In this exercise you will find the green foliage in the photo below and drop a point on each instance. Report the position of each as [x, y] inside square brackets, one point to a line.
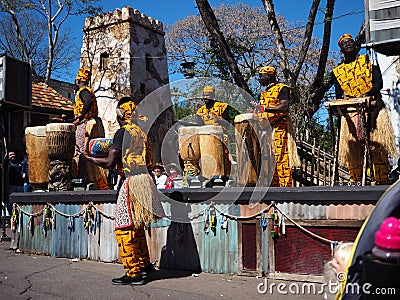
[182, 111]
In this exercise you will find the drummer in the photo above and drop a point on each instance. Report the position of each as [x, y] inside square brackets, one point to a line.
[357, 77]
[274, 110]
[213, 112]
[217, 113]
[88, 126]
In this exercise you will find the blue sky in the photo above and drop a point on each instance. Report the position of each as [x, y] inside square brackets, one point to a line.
[348, 17]
[169, 11]
[348, 14]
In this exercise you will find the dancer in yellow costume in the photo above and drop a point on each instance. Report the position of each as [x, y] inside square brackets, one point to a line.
[137, 203]
[88, 126]
[274, 109]
[357, 77]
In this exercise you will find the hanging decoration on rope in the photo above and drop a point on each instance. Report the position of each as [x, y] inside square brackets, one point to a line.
[71, 224]
[213, 218]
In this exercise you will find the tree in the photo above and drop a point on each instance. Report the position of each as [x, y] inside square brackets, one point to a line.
[219, 43]
[253, 44]
[53, 15]
[320, 83]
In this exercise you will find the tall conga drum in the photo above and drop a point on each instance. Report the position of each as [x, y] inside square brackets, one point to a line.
[38, 160]
[60, 138]
[212, 150]
[248, 150]
[189, 149]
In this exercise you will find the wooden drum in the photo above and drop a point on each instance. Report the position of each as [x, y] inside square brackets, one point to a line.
[60, 141]
[38, 160]
[60, 138]
[248, 150]
[189, 148]
[212, 150]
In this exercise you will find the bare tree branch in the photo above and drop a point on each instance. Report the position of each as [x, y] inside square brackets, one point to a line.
[307, 38]
[212, 26]
[317, 87]
[280, 43]
[55, 13]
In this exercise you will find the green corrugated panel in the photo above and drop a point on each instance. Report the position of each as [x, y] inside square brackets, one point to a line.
[219, 252]
[67, 243]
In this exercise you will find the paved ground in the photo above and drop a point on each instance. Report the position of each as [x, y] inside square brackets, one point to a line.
[27, 276]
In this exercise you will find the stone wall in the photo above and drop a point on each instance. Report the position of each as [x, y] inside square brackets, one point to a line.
[125, 51]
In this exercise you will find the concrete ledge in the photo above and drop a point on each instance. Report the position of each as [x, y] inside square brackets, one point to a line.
[303, 195]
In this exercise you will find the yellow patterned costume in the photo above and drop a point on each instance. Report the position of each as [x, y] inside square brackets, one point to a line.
[279, 123]
[207, 115]
[90, 128]
[355, 79]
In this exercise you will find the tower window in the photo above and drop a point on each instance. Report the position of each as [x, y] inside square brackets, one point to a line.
[142, 88]
[149, 62]
[104, 61]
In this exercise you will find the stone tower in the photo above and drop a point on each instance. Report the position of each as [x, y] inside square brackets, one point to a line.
[125, 51]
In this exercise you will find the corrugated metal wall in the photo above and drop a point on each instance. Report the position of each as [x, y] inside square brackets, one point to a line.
[303, 211]
[32, 237]
[102, 244]
[69, 243]
[174, 245]
[63, 242]
[218, 252]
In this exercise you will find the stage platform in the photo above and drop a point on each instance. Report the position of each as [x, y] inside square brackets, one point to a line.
[187, 240]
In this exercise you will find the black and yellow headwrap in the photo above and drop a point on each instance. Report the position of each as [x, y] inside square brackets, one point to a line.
[343, 37]
[267, 70]
[208, 89]
[126, 110]
[83, 75]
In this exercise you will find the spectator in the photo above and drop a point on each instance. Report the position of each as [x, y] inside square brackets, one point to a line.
[160, 176]
[334, 269]
[175, 178]
[15, 180]
[25, 174]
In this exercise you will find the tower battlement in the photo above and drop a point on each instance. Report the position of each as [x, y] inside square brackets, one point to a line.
[126, 14]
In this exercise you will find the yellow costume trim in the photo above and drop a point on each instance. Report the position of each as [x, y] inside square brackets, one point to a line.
[269, 99]
[209, 89]
[138, 154]
[133, 250]
[129, 108]
[283, 144]
[343, 37]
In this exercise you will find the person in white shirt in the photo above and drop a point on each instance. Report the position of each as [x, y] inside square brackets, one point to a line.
[160, 176]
